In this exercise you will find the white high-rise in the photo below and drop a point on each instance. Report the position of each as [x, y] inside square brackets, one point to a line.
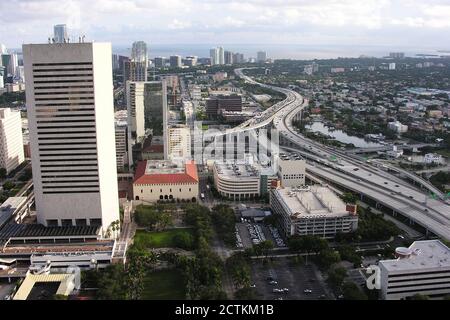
[71, 121]
[217, 55]
[60, 33]
[179, 144]
[11, 140]
[221, 54]
[135, 108]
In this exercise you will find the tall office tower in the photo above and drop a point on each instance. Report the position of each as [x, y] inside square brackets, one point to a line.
[3, 49]
[179, 138]
[11, 141]
[2, 76]
[261, 56]
[115, 62]
[228, 57]
[121, 134]
[136, 68]
[175, 61]
[135, 109]
[10, 62]
[160, 62]
[60, 33]
[139, 52]
[70, 108]
[221, 55]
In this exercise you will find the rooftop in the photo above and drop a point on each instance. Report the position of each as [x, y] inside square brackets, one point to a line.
[427, 254]
[291, 156]
[311, 202]
[8, 208]
[165, 172]
[247, 168]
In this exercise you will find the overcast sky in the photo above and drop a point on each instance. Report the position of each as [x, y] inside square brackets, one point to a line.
[396, 23]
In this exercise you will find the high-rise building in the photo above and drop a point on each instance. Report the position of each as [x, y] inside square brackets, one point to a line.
[136, 68]
[191, 61]
[71, 122]
[3, 49]
[215, 104]
[160, 62]
[121, 134]
[238, 57]
[179, 142]
[11, 141]
[228, 57]
[60, 33]
[221, 54]
[2, 77]
[135, 108]
[175, 61]
[261, 56]
[10, 62]
[139, 52]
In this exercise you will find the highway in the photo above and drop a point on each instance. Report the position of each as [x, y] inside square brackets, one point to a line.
[351, 171]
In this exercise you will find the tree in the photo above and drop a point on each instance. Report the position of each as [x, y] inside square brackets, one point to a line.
[263, 248]
[348, 197]
[328, 257]
[352, 292]
[8, 185]
[336, 277]
[2, 173]
[184, 240]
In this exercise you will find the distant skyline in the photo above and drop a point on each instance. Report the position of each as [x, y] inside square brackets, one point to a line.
[396, 25]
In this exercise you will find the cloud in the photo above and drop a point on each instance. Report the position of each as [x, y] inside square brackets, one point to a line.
[388, 22]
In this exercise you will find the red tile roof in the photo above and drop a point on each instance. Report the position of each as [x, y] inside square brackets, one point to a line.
[189, 176]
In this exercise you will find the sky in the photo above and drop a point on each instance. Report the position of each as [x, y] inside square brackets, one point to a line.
[389, 23]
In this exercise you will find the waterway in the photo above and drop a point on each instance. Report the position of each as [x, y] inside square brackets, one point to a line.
[341, 136]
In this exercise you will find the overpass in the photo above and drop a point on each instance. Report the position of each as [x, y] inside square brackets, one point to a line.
[353, 173]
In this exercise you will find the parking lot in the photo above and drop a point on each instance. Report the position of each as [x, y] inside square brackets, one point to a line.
[272, 279]
[249, 234]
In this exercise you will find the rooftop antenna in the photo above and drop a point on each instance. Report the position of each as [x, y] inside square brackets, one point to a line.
[82, 38]
[49, 40]
[53, 40]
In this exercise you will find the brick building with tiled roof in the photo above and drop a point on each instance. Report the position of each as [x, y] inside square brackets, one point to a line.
[165, 181]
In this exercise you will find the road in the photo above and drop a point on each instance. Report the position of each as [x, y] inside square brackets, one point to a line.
[351, 171]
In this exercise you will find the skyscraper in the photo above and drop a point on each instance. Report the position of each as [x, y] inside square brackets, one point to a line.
[221, 54]
[261, 56]
[135, 109]
[160, 62]
[228, 57]
[3, 49]
[175, 61]
[214, 55]
[60, 33]
[10, 62]
[71, 121]
[136, 68]
[139, 52]
[11, 141]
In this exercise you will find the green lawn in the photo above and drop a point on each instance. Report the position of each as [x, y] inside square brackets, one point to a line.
[163, 239]
[164, 285]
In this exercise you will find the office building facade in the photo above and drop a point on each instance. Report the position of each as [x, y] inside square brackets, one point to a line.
[11, 140]
[71, 121]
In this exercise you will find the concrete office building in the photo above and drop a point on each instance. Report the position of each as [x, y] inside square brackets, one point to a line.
[191, 61]
[2, 76]
[175, 62]
[238, 58]
[165, 181]
[423, 268]
[134, 71]
[215, 104]
[10, 62]
[11, 140]
[179, 146]
[60, 33]
[312, 210]
[160, 62]
[291, 169]
[71, 121]
[135, 109]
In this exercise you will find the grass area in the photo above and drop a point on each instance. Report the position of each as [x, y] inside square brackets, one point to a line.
[164, 285]
[444, 152]
[161, 239]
